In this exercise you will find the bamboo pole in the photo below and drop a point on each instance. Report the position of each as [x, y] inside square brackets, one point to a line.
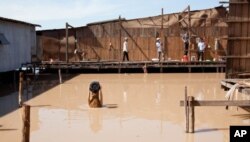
[191, 114]
[67, 41]
[189, 32]
[120, 38]
[26, 123]
[60, 75]
[20, 94]
[186, 110]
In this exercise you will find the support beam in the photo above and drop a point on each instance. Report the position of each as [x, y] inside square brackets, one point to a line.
[60, 75]
[186, 110]
[191, 118]
[20, 94]
[240, 103]
[120, 39]
[26, 123]
[67, 41]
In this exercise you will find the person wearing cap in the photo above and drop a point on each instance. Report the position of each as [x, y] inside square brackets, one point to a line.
[159, 48]
[125, 49]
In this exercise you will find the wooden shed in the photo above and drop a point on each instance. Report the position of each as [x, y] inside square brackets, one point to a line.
[238, 59]
[17, 43]
[103, 40]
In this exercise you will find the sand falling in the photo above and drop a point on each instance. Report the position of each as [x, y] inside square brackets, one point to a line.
[137, 108]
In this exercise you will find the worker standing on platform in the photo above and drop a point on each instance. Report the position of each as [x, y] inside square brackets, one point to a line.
[159, 48]
[201, 49]
[185, 39]
[125, 49]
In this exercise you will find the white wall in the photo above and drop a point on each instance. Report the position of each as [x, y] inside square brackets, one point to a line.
[22, 39]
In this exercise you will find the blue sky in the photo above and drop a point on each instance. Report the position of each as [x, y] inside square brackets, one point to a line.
[53, 14]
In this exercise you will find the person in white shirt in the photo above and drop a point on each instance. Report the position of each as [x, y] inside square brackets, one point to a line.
[159, 48]
[125, 49]
[185, 39]
[201, 49]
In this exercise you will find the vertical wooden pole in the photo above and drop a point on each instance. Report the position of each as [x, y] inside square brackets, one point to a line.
[67, 42]
[20, 94]
[186, 109]
[120, 38]
[26, 123]
[191, 114]
[162, 36]
[189, 32]
[120, 44]
[60, 75]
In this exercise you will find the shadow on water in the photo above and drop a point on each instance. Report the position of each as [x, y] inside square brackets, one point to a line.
[40, 105]
[42, 83]
[210, 130]
[244, 116]
[111, 106]
[8, 129]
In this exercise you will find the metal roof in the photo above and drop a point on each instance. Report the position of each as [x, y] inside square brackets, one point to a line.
[3, 40]
[19, 22]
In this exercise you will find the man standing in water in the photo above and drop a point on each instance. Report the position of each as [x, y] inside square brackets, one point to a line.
[125, 49]
[159, 48]
[95, 98]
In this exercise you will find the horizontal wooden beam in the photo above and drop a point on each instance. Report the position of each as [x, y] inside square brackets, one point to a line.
[219, 103]
[224, 2]
[239, 3]
[238, 38]
[237, 57]
[237, 21]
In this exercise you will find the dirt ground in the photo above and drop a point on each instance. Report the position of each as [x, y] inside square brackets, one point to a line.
[137, 108]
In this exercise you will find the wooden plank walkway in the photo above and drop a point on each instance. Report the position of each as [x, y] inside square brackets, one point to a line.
[99, 65]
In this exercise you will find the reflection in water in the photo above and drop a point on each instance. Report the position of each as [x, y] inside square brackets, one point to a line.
[124, 96]
[200, 96]
[95, 119]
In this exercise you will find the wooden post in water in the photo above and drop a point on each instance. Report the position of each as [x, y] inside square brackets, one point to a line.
[20, 94]
[26, 123]
[186, 110]
[60, 75]
[191, 114]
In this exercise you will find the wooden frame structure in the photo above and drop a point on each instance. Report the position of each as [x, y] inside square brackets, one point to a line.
[101, 41]
[190, 103]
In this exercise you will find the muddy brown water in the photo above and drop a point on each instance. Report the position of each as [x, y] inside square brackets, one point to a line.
[137, 108]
